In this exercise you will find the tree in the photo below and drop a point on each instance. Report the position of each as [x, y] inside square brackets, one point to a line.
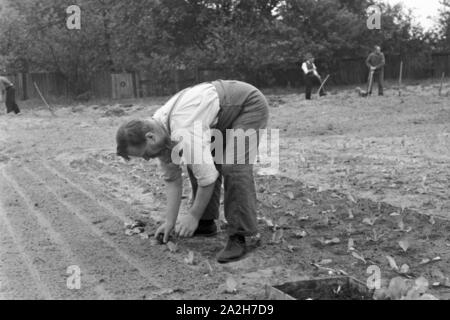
[253, 40]
[444, 23]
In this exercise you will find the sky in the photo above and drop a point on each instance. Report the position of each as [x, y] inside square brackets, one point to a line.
[424, 10]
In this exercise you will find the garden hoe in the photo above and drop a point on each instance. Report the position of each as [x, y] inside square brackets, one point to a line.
[369, 86]
[323, 84]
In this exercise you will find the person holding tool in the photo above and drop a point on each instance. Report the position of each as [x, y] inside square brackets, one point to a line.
[10, 92]
[376, 62]
[311, 76]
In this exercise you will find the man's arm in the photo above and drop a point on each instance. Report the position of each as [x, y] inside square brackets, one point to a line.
[197, 154]
[368, 61]
[174, 191]
[316, 73]
[174, 187]
[201, 201]
[189, 223]
[383, 62]
[203, 168]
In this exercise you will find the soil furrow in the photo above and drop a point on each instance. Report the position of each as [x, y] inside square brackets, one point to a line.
[86, 193]
[16, 281]
[35, 288]
[98, 192]
[118, 272]
[93, 290]
[169, 268]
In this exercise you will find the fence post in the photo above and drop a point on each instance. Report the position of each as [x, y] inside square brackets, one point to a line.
[135, 84]
[400, 78]
[23, 80]
[442, 83]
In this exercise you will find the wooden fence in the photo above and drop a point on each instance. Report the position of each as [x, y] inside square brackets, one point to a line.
[353, 71]
[101, 85]
[145, 83]
[441, 64]
[345, 72]
[53, 85]
[151, 85]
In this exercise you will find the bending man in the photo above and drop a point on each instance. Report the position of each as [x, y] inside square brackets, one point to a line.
[180, 132]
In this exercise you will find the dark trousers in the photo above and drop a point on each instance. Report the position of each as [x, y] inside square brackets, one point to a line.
[10, 102]
[238, 180]
[310, 81]
[378, 76]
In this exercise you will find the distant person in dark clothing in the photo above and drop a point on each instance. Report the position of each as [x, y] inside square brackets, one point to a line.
[312, 77]
[376, 62]
[10, 100]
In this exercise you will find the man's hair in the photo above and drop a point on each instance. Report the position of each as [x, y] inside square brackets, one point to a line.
[132, 134]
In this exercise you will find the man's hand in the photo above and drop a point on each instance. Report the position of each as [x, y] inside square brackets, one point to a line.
[186, 226]
[174, 191]
[165, 229]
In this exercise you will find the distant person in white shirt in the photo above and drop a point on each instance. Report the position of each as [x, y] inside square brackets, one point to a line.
[312, 77]
[10, 92]
[226, 106]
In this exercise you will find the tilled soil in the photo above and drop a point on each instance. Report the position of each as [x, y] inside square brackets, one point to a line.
[65, 198]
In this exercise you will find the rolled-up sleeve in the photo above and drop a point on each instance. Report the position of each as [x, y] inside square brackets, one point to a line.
[205, 173]
[191, 124]
[196, 146]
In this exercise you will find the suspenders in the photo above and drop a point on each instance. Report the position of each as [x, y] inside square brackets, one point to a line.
[180, 95]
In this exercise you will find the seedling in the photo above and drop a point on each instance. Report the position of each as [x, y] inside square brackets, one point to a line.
[277, 236]
[190, 259]
[404, 244]
[392, 263]
[329, 242]
[230, 286]
[351, 245]
[173, 247]
[359, 257]
[300, 234]
[370, 221]
[290, 195]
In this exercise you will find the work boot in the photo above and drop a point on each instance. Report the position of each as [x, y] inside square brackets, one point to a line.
[206, 228]
[234, 250]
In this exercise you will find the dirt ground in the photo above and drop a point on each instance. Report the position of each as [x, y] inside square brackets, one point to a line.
[357, 176]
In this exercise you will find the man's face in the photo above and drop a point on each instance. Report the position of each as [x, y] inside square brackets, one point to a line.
[377, 49]
[141, 152]
[151, 149]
